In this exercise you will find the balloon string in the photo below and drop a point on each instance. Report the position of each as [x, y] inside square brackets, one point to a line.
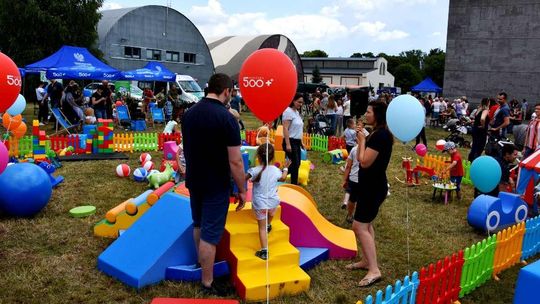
[267, 266]
[4, 138]
[407, 225]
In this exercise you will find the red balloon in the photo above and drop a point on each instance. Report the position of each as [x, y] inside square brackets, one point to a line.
[10, 82]
[268, 82]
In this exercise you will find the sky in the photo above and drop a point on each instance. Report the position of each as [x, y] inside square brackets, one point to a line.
[338, 27]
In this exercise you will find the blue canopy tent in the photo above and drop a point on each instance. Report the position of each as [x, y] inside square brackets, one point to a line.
[427, 85]
[73, 63]
[152, 71]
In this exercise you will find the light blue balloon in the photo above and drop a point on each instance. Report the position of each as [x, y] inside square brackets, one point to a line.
[405, 117]
[485, 173]
[17, 107]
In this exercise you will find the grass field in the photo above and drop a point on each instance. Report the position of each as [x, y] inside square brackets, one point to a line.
[51, 258]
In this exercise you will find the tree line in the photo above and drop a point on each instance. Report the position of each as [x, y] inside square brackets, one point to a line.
[408, 67]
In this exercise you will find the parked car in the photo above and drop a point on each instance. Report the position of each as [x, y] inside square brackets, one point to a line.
[135, 92]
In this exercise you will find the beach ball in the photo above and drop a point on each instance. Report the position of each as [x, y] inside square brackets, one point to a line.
[440, 144]
[139, 175]
[148, 165]
[123, 170]
[145, 157]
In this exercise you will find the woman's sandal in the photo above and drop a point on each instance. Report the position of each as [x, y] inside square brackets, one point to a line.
[355, 266]
[366, 282]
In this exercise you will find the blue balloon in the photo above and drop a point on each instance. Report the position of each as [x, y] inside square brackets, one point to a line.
[405, 117]
[25, 190]
[18, 106]
[485, 173]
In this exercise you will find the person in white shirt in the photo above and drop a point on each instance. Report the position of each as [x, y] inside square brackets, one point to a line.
[346, 109]
[436, 110]
[42, 102]
[339, 118]
[171, 127]
[265, 180]
[293, 126]
[350, 181]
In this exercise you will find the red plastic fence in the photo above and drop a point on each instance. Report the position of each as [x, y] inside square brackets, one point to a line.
[163, 138]
[336, 143]
[60, 142]
[440, 283]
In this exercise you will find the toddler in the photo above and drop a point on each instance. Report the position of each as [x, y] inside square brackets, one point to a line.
[265, 180]
[89, 118]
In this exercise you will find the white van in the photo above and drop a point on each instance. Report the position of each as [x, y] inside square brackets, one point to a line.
[191, 91]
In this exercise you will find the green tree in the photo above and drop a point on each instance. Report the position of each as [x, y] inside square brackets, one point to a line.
[414, 57]
[316, 75]
[393, 61]
[34, 29]
[363, 55]
[434, 65]
[315, 53]
[406, 76]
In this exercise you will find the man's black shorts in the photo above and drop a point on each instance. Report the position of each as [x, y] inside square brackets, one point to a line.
[209, 212]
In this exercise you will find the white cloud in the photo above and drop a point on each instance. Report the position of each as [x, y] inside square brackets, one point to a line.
[213, 21]
[330, 11]
[110, 5]
[376, 30]
[435, 34]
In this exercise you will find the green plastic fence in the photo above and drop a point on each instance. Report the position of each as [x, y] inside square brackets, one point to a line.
[466, 173]
[478, 265]
[145, 142]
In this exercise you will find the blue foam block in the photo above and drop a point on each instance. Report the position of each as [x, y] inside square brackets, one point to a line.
[190, 273]
[161, 238]
[310, 257]
[527, 282]
[496, 213]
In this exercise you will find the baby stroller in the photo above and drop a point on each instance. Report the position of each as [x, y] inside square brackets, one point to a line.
[319, 125]
[457, 130]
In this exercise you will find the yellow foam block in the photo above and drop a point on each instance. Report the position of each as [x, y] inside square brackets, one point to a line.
[278, 139]
[100, 138]
[279, 157]
[286, 277]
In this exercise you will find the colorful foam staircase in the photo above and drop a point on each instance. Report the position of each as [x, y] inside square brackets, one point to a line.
[239, 244]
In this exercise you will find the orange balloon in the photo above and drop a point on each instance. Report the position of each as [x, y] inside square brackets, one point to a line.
[20, 131]
[11, 122]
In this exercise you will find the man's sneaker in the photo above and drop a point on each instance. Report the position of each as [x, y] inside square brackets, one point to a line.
[263, 254]
[41, 124]
[215, 290]
[343, 206]
[269, 228]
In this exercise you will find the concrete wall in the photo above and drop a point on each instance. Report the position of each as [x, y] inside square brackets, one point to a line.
[493, 45]
[155, 27]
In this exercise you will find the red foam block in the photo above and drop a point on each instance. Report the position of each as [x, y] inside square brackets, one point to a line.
[192, 301]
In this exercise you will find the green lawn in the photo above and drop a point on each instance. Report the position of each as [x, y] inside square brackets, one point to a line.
[51, 258]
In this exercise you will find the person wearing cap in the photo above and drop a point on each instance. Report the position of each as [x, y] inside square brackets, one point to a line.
[456, 166]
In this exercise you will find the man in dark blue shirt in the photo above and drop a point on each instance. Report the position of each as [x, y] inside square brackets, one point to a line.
[211, 140]
[55, 90]
[236, 103]
[502, 117]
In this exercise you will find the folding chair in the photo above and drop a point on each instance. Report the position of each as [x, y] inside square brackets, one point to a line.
[123, 116]
[157, 116]
[63, 121]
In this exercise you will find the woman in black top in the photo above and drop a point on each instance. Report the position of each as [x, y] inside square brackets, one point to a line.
[373, 154]
[479, 130]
